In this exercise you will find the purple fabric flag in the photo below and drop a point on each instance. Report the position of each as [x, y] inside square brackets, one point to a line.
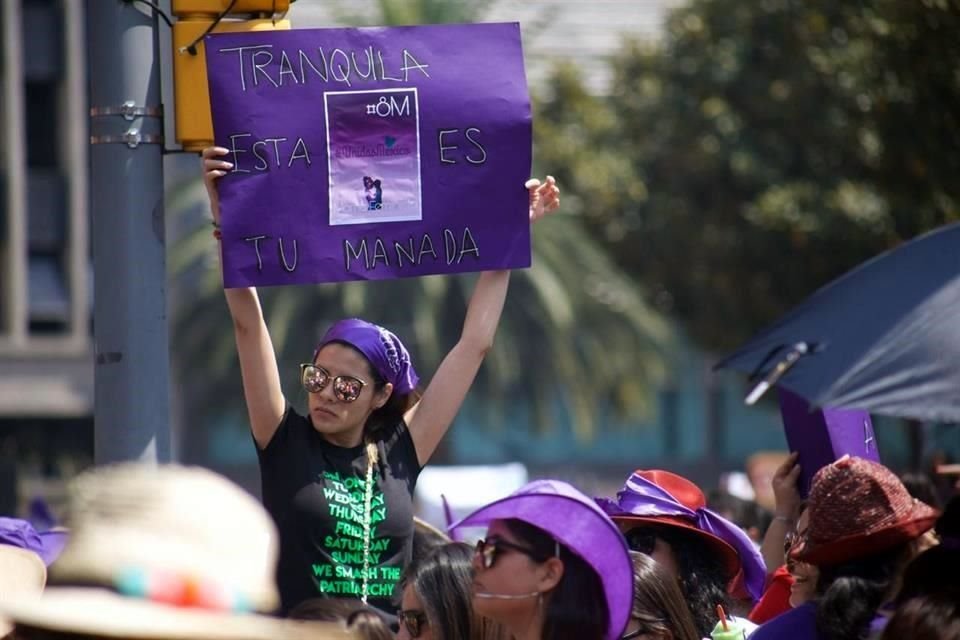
[824, 435]
[368, 154]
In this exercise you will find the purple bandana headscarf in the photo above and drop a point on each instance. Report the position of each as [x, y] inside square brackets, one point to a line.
[20, 533]
[640, 497]
[381, 347]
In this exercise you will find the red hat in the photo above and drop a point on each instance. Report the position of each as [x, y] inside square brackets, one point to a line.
[690, 496]
[859, 508]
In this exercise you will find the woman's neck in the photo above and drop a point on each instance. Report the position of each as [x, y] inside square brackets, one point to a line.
[527, 627]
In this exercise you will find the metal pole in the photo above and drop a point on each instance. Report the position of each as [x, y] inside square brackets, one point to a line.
[131, 385]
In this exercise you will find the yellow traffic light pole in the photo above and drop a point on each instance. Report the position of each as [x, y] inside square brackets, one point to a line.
[196, 18]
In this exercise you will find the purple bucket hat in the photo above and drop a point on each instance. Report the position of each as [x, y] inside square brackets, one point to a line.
[20, 533]
[581, 526]
[380, 346]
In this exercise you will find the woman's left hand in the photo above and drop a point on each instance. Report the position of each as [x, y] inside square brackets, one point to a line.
[544, 197]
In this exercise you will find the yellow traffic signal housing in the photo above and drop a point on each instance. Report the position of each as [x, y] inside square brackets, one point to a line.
[195, 8]
[194, 126]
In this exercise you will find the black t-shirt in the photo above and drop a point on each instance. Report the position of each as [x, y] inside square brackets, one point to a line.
[315, 492]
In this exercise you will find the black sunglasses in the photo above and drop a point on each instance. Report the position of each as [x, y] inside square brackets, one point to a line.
[413, 620]
[490, 548]
[315, 379]
[642, 540]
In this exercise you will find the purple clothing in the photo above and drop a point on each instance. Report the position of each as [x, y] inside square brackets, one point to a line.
[797, 624]
[801, 624]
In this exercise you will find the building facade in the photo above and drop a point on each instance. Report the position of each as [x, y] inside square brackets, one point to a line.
[46, 370]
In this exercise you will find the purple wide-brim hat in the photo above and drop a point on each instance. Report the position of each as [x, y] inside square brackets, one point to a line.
[20, 533]
[580, 525]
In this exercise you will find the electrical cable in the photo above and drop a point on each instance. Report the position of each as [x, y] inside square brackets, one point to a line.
[156, 7]
[192, 47]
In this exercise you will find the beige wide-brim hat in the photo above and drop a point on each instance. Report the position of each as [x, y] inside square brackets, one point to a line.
[22, 573]
[99, 612]
[168, 552]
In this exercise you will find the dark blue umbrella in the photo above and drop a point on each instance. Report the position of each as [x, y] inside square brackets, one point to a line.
[885, 337]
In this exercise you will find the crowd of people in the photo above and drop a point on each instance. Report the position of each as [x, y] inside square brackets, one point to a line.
[334, 550]
[178, 552]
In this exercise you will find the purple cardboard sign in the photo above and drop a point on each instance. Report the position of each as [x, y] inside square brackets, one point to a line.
[823, 435]
[367, 154]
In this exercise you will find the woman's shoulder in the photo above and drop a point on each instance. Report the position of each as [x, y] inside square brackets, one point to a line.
[397, 444]
[293, 428]
[295, 421]
[396, 434]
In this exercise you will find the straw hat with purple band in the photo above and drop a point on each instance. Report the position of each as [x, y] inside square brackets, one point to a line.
[858, 508]
[575, 520]
[380, 346]
[665, 499]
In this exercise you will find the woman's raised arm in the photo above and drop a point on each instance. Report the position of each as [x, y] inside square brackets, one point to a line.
[432, 416]
[258, 361]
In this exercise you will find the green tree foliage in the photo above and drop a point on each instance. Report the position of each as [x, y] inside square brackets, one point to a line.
[403, 12]
[763, 148]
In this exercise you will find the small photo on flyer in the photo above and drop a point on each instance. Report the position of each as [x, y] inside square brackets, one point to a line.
[373, 155]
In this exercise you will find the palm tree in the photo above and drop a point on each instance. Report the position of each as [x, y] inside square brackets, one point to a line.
[574, 327]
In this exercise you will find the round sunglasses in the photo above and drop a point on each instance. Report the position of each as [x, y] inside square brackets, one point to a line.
[315, 379]
[413, 620]
[488, 550]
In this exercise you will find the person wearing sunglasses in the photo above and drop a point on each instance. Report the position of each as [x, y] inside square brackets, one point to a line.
[659, 610]
[552, 566]
[339, 480]
[664, 515]
[436, 603]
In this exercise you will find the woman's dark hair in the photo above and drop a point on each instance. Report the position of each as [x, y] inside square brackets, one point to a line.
[930, 617]
[702, 579]
[850, 594]
[934, 570]
[937, 568]
[382, 420]
[442, 581]
[920, 486]
[658, 603]
[577, 608]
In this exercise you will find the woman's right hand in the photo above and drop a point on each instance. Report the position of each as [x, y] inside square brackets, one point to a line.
[785, 491]
[214, 167]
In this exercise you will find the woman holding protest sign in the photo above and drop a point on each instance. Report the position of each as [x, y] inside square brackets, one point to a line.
[339, 481]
